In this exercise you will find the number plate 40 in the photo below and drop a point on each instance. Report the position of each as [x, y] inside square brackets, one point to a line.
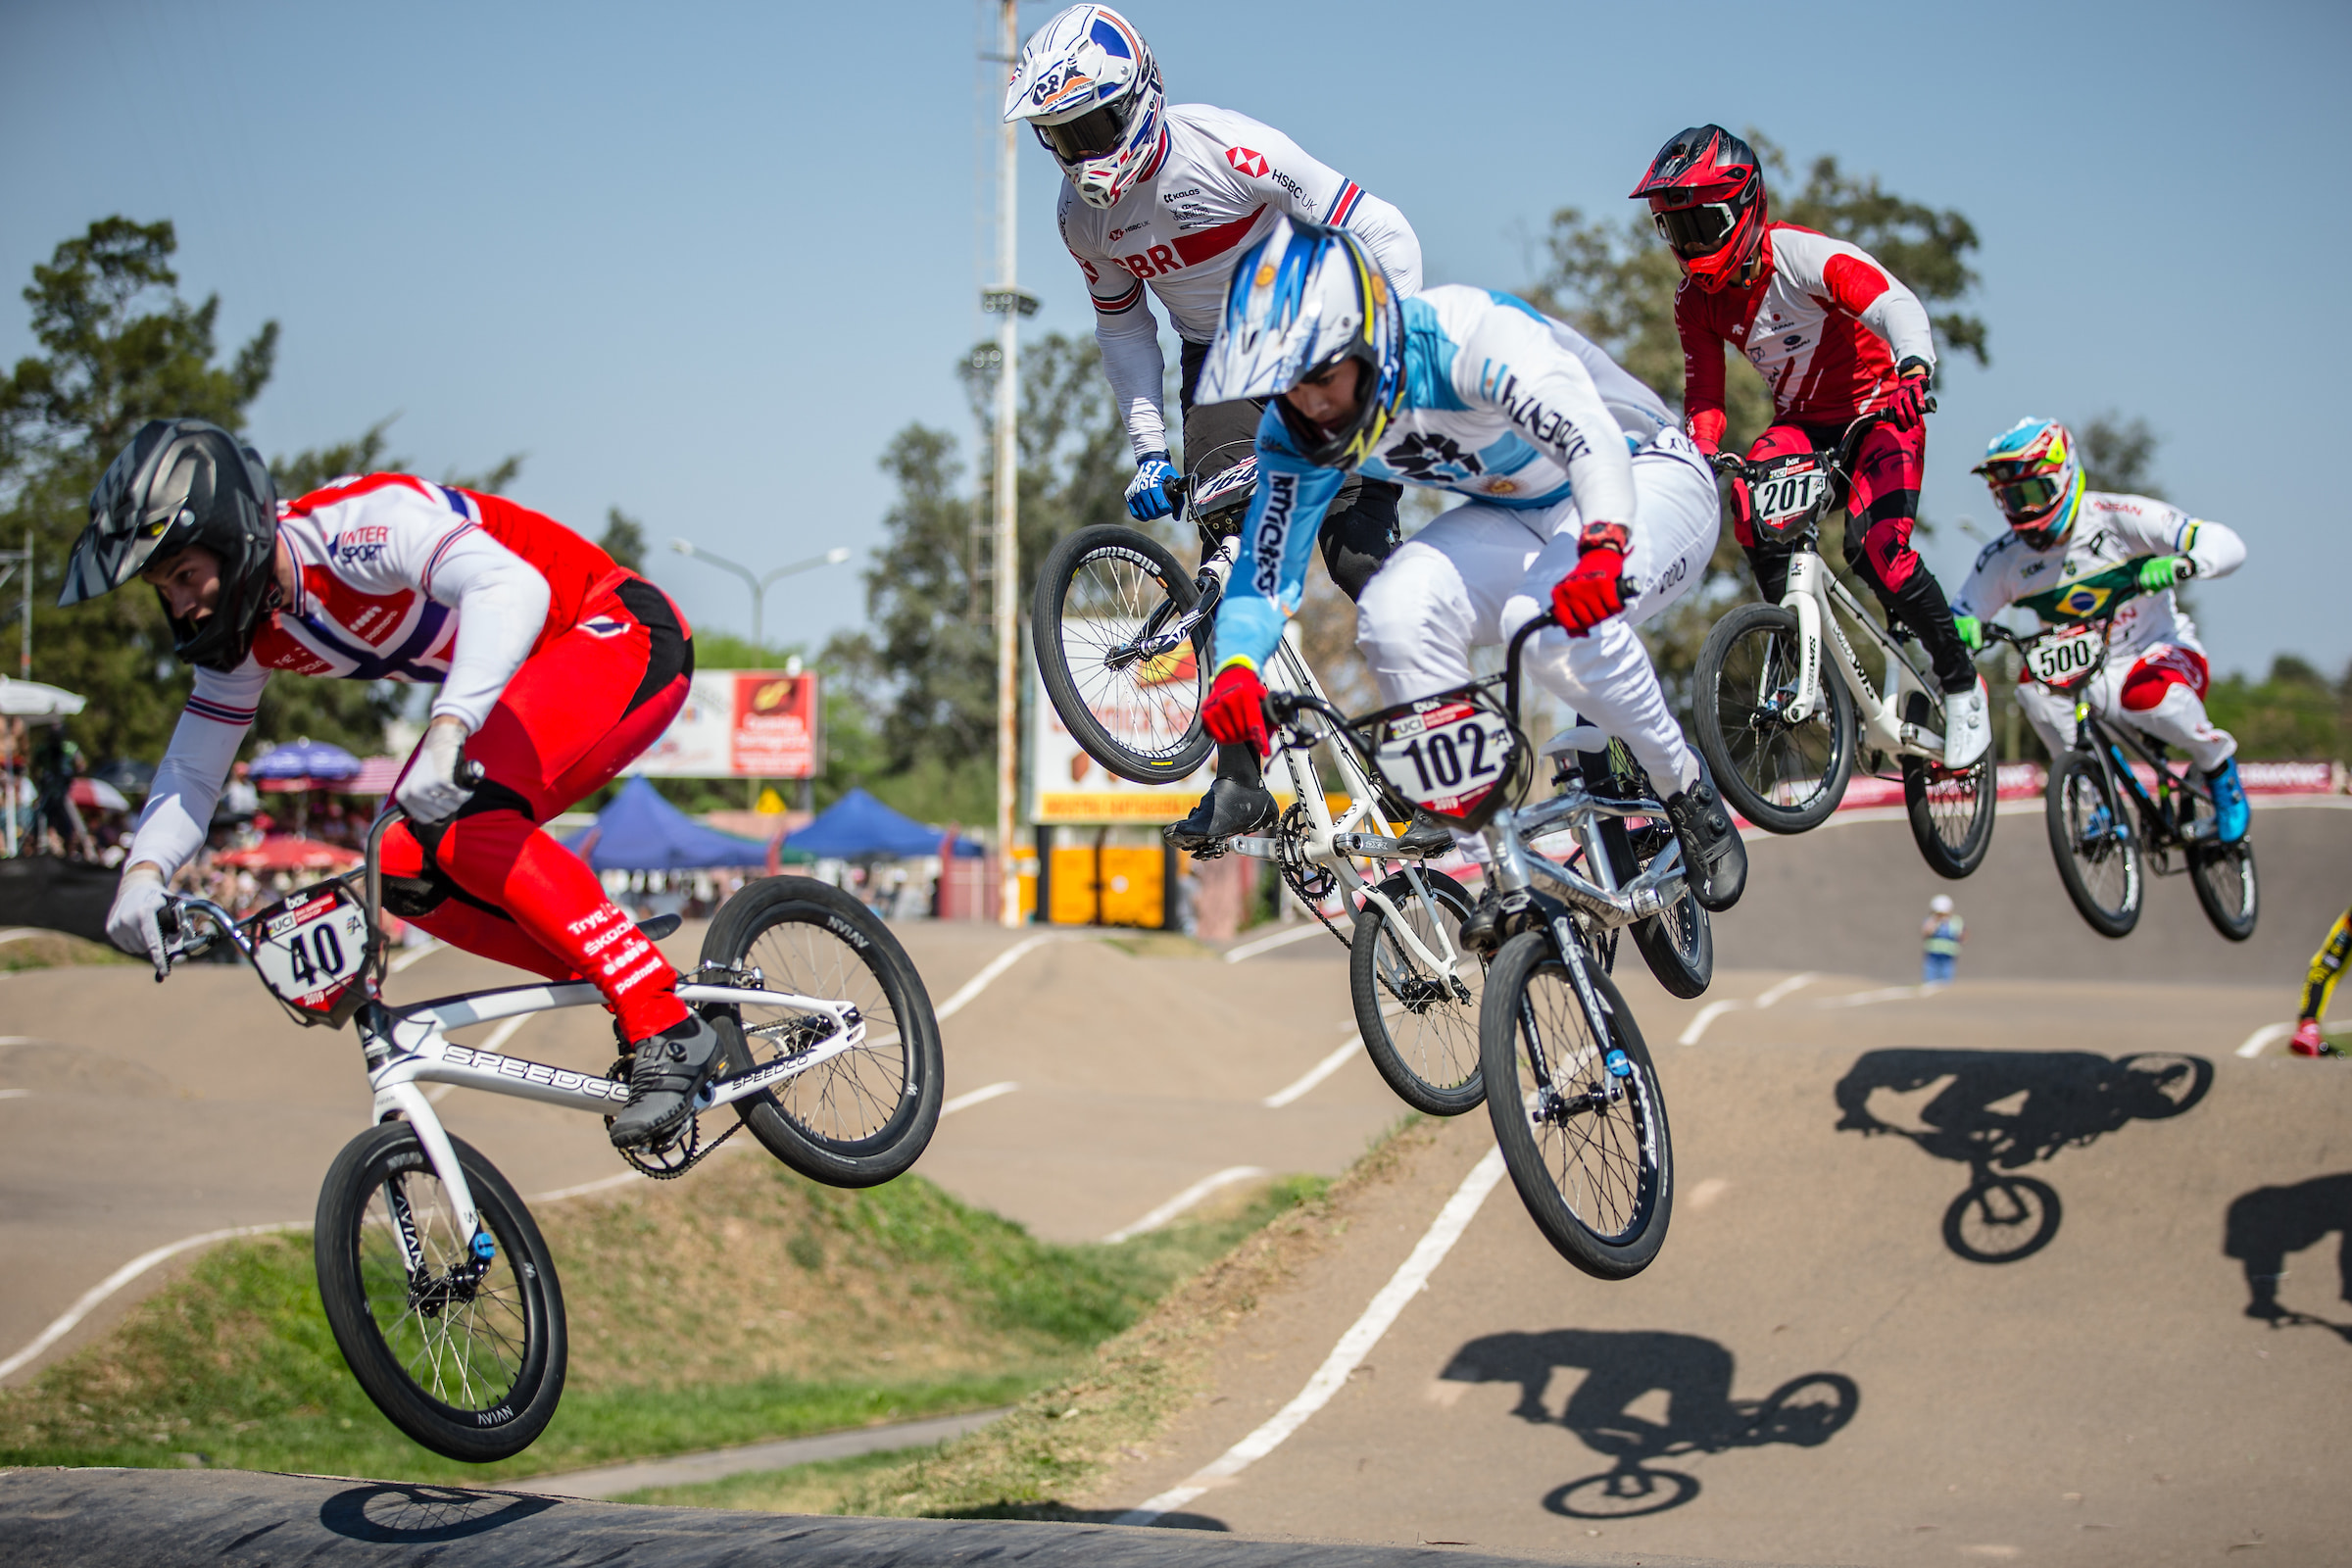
[310, 950]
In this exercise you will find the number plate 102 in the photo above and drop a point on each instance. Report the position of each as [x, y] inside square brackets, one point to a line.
[1446, 758]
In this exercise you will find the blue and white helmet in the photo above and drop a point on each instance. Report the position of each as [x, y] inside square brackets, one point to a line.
[1304, 299]
[1089, 87]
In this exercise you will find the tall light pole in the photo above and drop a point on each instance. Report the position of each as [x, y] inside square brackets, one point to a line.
[1007, 300]
[760, 585]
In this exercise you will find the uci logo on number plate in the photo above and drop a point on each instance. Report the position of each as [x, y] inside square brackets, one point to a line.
[1447, 757]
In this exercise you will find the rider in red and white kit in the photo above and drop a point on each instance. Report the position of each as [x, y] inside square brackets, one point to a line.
[1836, 338]
[1169, 197]
[556, 666]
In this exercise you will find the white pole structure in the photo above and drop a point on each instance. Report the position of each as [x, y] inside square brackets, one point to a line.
[1007, 299]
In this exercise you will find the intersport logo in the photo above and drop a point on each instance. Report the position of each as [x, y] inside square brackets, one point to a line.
[1249, 163]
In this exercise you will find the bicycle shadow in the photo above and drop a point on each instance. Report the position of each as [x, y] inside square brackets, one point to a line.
[1999, 1111]
[2270, 1222]
[397, 1513]
[1622, 1368]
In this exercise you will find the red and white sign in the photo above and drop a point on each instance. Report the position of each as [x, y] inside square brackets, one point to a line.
[742, 723]
[1249, 162]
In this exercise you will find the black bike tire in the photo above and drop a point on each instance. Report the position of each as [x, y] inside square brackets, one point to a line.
[2117, 923]
[1946, 860]
[1372, 1025]
[1054, 580]
[1609, 1258]
[507, 1425]
[1715, 746]
[1682, 974]
[891, 1149]
[2236, 925]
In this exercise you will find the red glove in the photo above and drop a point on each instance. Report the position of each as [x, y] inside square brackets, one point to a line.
[1236, 710]
[1907, 405]
[1592, 592]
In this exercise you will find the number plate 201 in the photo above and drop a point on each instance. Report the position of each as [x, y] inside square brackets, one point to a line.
[2063, 659]
[309, 947]
[1448, 758]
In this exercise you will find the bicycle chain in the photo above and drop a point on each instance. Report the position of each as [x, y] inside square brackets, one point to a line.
[1309, 884]
[696, 1150]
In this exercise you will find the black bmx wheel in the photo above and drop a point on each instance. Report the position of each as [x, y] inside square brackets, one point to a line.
[1419, 1026]
[2222, 874]
[1679, 942]
[2095, 843]
[2002, 1219]
[855, 1117]
[1785, 777]
[1577, 1114]
[461, 1345]
[1126, 683]
[1951, 812]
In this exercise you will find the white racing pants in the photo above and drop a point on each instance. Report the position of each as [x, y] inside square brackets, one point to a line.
[2161, 695]
[1479, 573]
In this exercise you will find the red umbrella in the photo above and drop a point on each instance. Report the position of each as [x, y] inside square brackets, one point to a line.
[96, 792]
[287, 852]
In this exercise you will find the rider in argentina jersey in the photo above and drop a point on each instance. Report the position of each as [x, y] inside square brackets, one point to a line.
[1501, 404]
[2156, 675]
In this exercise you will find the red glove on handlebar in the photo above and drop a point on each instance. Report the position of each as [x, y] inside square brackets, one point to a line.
[1592, 592]
[1907, 405]
[1236, 710]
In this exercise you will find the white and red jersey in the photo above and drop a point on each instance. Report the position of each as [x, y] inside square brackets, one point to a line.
[1824, 323]
[384, 565]
[2109, 529]
[1221, 180]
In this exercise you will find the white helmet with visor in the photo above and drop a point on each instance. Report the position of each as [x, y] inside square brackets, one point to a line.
[1089, 87]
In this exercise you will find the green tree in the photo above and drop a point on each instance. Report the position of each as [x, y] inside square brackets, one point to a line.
[2295, 713]
[623, 539]
[2119, 455]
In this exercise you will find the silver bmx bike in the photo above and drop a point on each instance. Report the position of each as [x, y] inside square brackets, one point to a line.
[437, 1284]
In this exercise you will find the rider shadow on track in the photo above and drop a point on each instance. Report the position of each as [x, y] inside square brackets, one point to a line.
[2003, 1111]
[2270, 1222]
[1622, 1368]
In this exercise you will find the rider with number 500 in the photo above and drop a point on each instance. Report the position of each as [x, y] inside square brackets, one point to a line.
[1584, 498]
[556, 666]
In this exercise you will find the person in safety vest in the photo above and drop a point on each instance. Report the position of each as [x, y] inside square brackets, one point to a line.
[1939, 942]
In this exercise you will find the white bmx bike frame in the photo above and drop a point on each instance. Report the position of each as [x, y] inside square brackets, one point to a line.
[1812, 595]
[407, 1047]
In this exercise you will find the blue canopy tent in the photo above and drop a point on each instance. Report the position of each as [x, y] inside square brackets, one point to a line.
[859, 827]
[640, 831]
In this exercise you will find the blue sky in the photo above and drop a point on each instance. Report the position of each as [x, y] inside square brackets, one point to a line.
[700, 260]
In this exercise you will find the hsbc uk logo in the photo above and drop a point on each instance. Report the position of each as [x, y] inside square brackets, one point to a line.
[1249, 163]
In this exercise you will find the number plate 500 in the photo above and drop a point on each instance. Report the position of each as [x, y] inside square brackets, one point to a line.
[2058, 661]
[1448, 758]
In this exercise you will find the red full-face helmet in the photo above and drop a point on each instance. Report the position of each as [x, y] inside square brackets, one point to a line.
[1705, 191]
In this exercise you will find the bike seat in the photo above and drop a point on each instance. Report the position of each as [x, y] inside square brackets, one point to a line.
[660, 926]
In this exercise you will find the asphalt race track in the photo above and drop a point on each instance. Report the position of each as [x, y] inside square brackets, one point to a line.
[2034, 1268]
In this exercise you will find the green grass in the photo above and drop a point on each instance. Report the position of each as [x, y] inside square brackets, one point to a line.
[53, 949]
[741, 1305]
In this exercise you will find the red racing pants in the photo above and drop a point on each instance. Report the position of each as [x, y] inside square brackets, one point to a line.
[490, 879]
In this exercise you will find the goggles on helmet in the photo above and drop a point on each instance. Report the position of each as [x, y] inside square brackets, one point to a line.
[1096, 133]
[1692, 232]
[2028, 495]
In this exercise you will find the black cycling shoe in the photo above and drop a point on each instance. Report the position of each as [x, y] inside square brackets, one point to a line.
[671, 1069]
[1711, 846]
[1497, 917]
[1230, 808]
[1425, 835]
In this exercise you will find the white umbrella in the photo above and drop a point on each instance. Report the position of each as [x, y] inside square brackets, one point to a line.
[29, 699]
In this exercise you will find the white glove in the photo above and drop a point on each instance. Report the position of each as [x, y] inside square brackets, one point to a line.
[132, 923]
[429, 790]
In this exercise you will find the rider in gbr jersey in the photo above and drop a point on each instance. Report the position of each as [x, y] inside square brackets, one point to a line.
[1583, 495]
[556, 668]
[1834, 338]
[1163, 199]
[2060, 530]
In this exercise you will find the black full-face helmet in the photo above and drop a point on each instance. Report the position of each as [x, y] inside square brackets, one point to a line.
[183, 482]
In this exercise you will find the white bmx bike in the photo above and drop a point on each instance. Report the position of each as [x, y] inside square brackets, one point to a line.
[436, 1282]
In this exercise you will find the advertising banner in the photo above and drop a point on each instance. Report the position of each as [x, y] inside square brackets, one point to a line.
[742, 723]
[1067, 786]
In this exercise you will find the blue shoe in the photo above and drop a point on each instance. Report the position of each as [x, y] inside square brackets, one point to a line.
[2231, 811]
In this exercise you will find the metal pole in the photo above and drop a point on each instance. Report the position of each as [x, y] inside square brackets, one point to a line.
[24, 658]
[1008, 499]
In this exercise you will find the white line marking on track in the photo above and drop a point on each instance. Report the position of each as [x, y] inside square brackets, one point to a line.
[980, 982]
[1355, 1344]
[1863, 999]
[1281, 939]
[1185, 1199]
[1315, 1074]
[977, 1097]
[1795, 982]
[1705, 1015]
[116, 1280]
[413, 954]
[14, 1093]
